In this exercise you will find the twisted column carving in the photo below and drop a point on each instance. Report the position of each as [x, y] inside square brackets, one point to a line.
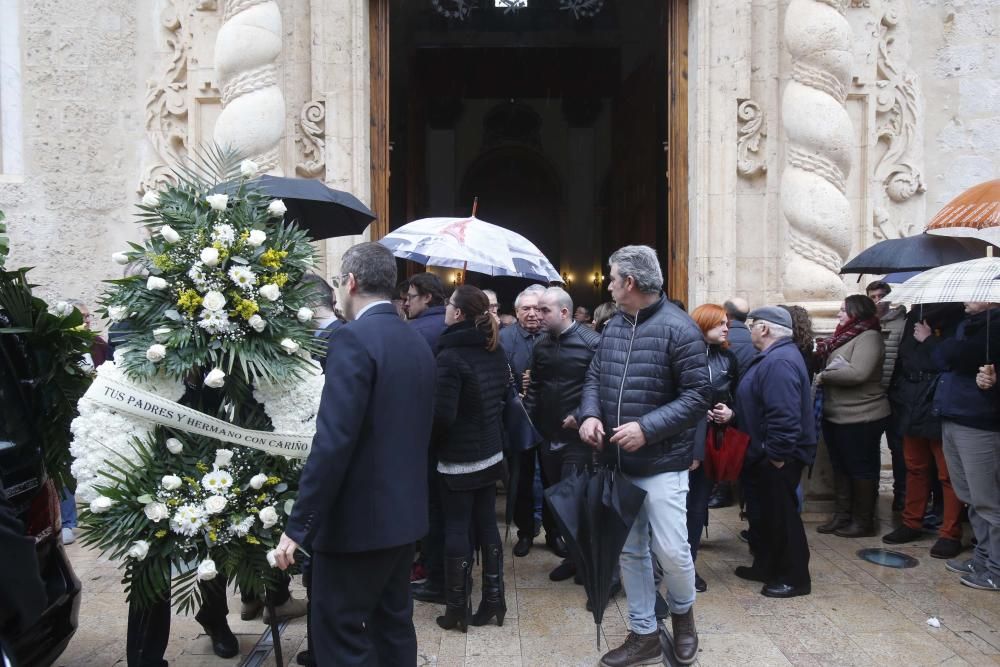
[818, 138]
[248, 44]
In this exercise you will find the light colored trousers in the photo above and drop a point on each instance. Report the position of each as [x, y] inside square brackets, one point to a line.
[973, 457]
[665, 512]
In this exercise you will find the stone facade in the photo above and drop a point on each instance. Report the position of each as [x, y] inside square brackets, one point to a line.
[815, 126]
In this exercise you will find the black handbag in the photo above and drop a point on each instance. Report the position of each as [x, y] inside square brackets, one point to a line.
[521, 433]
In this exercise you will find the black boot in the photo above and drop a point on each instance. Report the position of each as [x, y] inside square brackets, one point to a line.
[841, 505]
[864, 495]
[458, 593]
[493, 602]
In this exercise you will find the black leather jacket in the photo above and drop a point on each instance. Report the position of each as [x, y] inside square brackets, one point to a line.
[723, 376]
[649, 369]
[558, 369]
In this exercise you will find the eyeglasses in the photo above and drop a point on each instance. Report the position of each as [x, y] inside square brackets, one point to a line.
[494, 306]
[337, 281]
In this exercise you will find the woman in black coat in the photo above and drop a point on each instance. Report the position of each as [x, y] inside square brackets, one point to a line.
[472, 376]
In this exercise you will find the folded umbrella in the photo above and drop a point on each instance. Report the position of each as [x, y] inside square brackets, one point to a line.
[915, 253]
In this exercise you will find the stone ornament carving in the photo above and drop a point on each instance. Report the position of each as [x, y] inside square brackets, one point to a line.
[166, 117]
[753, 129]
[898, 114]
[819, 135]
[312, 132]
[247, 47]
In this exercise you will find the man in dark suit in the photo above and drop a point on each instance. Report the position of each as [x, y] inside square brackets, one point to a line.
[363, 492]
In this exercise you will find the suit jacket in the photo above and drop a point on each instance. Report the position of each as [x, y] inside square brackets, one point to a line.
[364, 485]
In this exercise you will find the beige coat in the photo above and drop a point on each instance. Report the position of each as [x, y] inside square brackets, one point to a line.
[853, 393]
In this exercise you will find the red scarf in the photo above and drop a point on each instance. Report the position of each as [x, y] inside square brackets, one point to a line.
[844, 333]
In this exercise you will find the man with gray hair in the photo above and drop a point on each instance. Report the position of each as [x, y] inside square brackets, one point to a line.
[646, 388]
[774, 407]
[558, 368]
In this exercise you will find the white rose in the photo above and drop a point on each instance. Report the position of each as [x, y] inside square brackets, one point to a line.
[272, 558]
[257, 323]
[223, 457]
[151, 198]
[256, 238]
[214, 301]
[61, 309]
[161, 332]
[206, 570]
[117, 313]
[289, 345]
[120, 258]
[156, 512]
[215, 378]
[268, 516]
[156, 352]
[218, 202]
[139, 548]
[304, 315]
[174, 446]
[249, 168]
[171, 482]
[101, 504]
[258, 481]
[215, 504]
[270, 292]
[277, 208]
[155, 283]
[210, 257]
[169, 234]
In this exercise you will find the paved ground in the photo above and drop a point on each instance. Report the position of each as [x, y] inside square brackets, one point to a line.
[858, 614]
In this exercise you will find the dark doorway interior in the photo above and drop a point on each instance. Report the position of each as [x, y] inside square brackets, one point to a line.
[556, 122]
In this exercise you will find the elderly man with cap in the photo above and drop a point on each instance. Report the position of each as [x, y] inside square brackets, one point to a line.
[774, 406]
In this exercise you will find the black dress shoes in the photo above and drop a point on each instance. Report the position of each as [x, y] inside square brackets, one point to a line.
[722, 496]
[522, 547]
[784, 590]
[699, 584]
[556, 545]
[428, 590]
[565, 570]
[750, 574]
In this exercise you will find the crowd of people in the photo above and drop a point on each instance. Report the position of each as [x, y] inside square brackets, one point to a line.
[392, 510]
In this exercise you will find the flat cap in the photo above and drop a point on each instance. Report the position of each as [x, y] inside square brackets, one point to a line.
[772, 314]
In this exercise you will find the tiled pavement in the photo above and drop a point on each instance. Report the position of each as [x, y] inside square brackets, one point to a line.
[858, 614]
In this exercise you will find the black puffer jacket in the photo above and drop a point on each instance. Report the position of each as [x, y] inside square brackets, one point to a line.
[649, 369]
[558, 369]
[468, 396]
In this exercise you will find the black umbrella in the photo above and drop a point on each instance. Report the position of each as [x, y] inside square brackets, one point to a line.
[915, 253]
[320, 210]
[595, 511]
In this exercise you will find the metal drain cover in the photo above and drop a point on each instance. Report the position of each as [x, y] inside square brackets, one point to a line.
[887, 558]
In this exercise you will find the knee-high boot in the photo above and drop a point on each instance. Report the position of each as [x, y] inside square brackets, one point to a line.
[493, 602]
[458, 594]
[864, 496]
[841, 505]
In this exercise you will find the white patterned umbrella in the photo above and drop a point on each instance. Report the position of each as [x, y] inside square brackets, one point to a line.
[974, 280]
[470, 244]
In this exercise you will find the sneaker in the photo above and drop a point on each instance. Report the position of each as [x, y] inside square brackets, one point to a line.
[637, 650]
[293, 608]
[984, 581]
[967, 566]
[946, 547]
[67, 536]
[902, 535]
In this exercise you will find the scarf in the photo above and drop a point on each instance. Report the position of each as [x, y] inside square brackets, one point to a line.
[843, 334]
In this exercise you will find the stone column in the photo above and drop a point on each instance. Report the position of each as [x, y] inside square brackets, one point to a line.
[247, 47]
[818, 138]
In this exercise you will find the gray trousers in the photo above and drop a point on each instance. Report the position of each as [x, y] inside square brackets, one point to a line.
[973, 457]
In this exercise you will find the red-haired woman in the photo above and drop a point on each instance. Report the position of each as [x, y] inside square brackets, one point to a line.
[472, 376]
[723, 372]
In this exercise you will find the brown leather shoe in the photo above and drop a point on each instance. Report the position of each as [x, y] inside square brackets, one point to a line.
[685, 637]
[637, 650]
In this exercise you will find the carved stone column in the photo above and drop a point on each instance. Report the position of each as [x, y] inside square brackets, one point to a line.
[252, 121]
[818, 138]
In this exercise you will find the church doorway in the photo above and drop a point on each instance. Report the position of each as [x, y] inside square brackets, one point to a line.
[559, 115]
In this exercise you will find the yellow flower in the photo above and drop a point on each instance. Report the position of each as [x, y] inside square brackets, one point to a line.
[278, 279]
[188, 301]
[173, 502]
[160, 534]
[261, 498]
[191, 480]
[272, 258]
[213, 536]
[162, 261]
[245, 308]
[223, 251]
[272, 480]
[252, 540]
[201, 466]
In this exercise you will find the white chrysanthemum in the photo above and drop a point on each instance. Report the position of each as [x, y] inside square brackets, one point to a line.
[188, 520]
[197, 275]
[243, 277]
[242, 528]
[293, 409]
[224, 234]
[214, 322]
[217, 481]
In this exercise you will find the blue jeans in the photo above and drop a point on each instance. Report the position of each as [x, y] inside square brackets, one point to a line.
[67, 508]
[665, 512]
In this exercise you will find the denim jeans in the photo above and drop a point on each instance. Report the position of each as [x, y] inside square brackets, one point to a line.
[665, 512]
[67, 508]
